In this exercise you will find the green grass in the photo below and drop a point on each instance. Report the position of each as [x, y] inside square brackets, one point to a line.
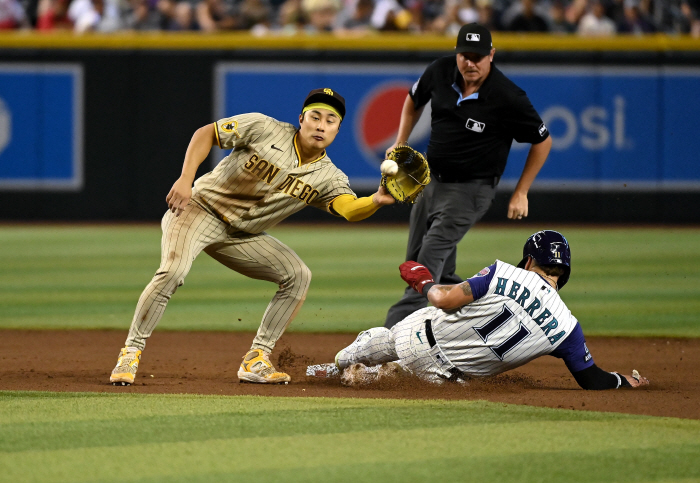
[54, 437]
[636, 281]
[624, 282]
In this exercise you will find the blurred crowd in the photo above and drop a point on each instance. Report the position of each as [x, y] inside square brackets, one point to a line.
[356, 17]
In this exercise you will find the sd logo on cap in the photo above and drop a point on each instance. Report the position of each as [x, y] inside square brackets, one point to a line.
[325, 98]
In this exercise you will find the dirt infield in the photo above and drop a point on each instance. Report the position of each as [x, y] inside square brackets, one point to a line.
[207, 362]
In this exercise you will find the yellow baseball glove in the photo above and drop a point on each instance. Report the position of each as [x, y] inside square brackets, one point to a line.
[412, 177]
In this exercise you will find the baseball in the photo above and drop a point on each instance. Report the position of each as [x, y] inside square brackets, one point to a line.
[389, 167]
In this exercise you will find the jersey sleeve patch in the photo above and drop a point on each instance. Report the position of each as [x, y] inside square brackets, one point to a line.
[245, 129]
[231, 127]
[573, 350]
[480, 282]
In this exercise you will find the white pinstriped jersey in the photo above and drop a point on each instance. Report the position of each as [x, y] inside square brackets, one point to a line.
[519, 318]
[261, 182]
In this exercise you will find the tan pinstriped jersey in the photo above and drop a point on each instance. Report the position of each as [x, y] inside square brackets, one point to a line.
[261, 182]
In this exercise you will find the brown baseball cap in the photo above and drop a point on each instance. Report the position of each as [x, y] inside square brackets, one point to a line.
[474, 38]
[326, 96]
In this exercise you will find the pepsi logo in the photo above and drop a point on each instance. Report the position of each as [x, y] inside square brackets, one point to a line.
[377, 121]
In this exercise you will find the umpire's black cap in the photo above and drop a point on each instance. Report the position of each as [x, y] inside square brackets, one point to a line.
[474, 38]
[326, 96]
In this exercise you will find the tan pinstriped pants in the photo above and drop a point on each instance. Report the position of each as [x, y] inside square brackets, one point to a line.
[259, 256]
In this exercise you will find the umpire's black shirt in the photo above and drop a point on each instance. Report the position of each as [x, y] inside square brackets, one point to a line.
[471, 139]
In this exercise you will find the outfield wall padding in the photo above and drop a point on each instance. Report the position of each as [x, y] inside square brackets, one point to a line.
[141, 98]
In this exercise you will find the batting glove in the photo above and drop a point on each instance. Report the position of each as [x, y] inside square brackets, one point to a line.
[415, 275]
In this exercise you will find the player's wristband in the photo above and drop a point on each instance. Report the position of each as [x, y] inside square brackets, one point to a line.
[419, 286]
[426, 288]
[621, 380]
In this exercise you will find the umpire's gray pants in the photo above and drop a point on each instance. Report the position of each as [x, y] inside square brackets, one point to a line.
[439, 220]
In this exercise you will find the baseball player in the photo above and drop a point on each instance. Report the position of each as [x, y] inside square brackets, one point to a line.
[274, 170]
[500, 319]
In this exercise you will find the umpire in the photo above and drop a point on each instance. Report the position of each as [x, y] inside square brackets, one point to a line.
[476, 113]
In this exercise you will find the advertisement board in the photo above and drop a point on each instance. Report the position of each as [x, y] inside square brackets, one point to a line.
[612, 128]
[41, 127]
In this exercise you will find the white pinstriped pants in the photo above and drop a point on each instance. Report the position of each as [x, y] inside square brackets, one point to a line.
[259, 256]
[405, 343]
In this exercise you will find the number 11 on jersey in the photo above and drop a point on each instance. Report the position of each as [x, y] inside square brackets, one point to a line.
[494, 324]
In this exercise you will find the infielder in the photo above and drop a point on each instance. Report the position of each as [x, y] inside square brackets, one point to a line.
[274, 170]
[500, 319]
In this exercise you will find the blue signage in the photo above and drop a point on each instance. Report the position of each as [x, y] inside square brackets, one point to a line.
[41, 127]
[613, 128]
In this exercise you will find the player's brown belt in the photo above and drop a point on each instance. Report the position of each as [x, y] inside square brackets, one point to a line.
[455, 374]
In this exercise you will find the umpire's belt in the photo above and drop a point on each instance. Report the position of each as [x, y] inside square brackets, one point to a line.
[488, 181]
[452, 373]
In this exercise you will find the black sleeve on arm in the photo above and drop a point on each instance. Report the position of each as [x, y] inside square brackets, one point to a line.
[422, 89]
[524, 122]
[596, 379]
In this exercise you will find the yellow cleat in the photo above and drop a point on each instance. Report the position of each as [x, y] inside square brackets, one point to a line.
[256, 367]
[127, 365]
